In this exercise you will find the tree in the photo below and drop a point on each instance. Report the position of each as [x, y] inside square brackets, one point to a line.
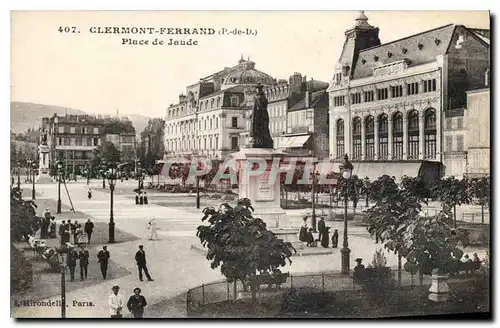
[23, 219]
[105, 153]
[240, 244]
[151, 146]
[481, 189]
[416, 186]
[452, 192]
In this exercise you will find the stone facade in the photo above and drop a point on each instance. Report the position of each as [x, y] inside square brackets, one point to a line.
[477, 138]
[389, 103]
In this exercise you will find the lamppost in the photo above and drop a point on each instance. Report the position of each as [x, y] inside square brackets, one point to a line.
[346, 169]
[61, 257]
[87, 172]
[18, 175]
[103, 169]
[112, 183]
[28, 171]
[138, 174]
[313, 191]
[59, 172]
[33, 167]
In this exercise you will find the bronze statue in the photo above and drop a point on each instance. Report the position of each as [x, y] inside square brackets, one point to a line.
[259, 127]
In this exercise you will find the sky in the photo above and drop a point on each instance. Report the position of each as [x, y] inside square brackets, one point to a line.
[96, 73]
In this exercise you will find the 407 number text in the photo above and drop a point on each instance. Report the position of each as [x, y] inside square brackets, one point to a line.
[68, 29]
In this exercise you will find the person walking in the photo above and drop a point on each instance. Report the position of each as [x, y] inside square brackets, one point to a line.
[136, 303]
[303, 230]
[137, 198]
[321, 228]
[141, 199]
[45, 224]
[103, 257]
[53, 228]
[71, 261]
[84, 262]
[325, 237]
[140, 258]
[89, 228]
[335, 238]
[115, 303]
[89, 193]
[62, 229]
[153, 231]
[145, 198]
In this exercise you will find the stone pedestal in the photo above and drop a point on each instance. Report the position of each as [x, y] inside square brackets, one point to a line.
[43, 165]
[439, 290]
[264, 190]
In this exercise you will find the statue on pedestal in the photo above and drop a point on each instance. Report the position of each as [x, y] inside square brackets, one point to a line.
[259, 124]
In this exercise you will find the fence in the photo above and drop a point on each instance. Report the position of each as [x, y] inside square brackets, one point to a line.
[222, 291]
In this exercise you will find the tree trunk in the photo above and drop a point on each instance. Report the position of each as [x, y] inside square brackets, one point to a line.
[254, 293]
[455, 215]
[399, 269]
[286, 198]
[482, 213]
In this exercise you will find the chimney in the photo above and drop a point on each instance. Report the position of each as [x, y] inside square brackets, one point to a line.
[296, 83]
[308, 96]
[182, 98]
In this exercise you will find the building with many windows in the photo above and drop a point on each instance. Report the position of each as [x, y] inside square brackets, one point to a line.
[209, 119]
[73, 138]
[389, 102]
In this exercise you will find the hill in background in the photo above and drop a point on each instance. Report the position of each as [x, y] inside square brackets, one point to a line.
[25, 115]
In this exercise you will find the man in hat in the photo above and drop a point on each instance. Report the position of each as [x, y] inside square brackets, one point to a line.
[359, 270]
[136, 303]
[84, 262]
[62, 229]
[89, 228]
[115, 303]
[71, 262]
[103, 257]
[140, 258]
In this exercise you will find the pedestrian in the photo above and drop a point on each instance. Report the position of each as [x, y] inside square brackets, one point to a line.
[136, 303]
[69, 228]
[141, 199]
[53, 227]
[321, 228]
[325, 237]
[153, 231]
[84, 262]
[62, 229]
[145, 198]
[115, 303]
[89, 228]
[140, 258]
[89, 193]
[359, 270]
[335, 238]
[303, 230]
[78, 233]
[45, 224]
[137, 198]
[71, 262]
[103, 257]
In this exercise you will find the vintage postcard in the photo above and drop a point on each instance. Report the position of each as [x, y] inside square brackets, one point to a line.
[246, 164]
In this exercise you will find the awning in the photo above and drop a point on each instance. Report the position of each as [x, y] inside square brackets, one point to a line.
[294, 141]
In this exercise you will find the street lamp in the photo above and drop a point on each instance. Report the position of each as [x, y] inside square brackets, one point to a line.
[61, 257]
[103, 169]
[346, 169]
[112, 183]
[33, 167]
[366, 183]
[313, 193]
[28, 171]
[18, 175]
[59, 172]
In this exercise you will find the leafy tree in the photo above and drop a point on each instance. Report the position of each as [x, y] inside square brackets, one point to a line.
[241, 244]
[151, 146]
[452, 192]
[105, 153]
[416, 186]
[481, 189]
[23, 219]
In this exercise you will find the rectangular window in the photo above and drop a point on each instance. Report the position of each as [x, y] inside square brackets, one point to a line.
[338, 78]
[397, 91]
[369, 96]
[460, 122]
[338, 101]
[429, 85]
[234, 122]
[216, 142]
[60, 129]
[370, 147]
[413, 146]
[96, 130]
[460, 143]
[72, 130]
[59, 141]
[96, 142]
[382, 94]
[356, 98]
[397, 147]
[383, 147]
[234, 143]
[340, 147]
[235, 101]
[412, 88]
[430, 146]
[356, 148]
[449, 143]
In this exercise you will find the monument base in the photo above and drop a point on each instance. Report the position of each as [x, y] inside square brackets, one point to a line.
[44, 177]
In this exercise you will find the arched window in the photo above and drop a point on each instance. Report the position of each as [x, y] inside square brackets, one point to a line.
[340, 138]
[218, 102]
[369, 138]
[216, 122]
[356, 138]
[413, 135]
[383, 135]
[210, 126]
[212, 103]
[397, 135]
[430, 133]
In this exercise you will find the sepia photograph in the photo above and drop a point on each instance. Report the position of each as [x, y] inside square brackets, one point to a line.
[250, 164]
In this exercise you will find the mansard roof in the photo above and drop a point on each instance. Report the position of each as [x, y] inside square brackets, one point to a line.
[317, 98]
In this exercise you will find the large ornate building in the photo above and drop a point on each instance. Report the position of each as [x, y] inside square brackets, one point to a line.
[389, 102]
[209, 118]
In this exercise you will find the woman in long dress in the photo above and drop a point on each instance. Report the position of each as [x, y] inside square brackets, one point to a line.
[153, 233]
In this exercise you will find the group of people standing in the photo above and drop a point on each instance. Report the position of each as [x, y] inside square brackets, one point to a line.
[48, 222]
[141, 198]
[73, 257]
[306, 234]
[68, 229]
